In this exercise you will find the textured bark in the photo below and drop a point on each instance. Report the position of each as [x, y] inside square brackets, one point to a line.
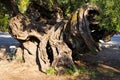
[35, 38]
[79, 33]
[53, 45]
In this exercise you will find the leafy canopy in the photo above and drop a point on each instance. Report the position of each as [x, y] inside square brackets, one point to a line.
[110, 17]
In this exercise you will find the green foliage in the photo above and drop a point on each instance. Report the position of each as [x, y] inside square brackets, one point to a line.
[4, 22]
[51, 71]
[50, 4]
[4, 18]
[109, 14]
[68, 6]
[109, 11]
[107, 72]
[23, 5]
[84, 71]
[71, 71]
[110, 17]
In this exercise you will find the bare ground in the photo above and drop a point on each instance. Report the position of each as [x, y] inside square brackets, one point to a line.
[106, 63]
[16, 71]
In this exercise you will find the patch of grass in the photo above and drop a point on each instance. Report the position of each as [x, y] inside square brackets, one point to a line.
[71, 71]
[51, 71]
[94, 74]
[106, 72]
[84, 71]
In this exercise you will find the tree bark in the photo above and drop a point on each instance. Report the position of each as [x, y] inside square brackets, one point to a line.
[52, 45]
[34, 39]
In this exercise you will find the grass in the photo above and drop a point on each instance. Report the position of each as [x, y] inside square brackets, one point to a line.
[51, 71]
[82, 70]
[71, 71]
[107, 72]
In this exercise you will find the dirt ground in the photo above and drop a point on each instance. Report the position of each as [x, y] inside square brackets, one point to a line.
[106, 60]
[15, 71]
[108, 56]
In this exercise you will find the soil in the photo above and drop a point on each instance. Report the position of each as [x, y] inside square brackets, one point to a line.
[105, 62]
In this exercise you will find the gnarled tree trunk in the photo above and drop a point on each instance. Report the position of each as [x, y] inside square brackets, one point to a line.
[54, 44]
[35, 40]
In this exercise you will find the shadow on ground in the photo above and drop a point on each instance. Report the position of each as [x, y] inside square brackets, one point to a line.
[105, 64]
